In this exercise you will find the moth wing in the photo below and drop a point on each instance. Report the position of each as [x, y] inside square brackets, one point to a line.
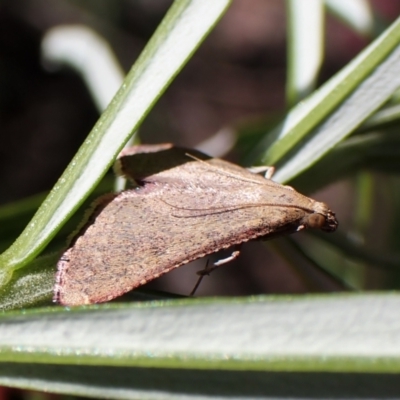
[143, 161]
[141, 234]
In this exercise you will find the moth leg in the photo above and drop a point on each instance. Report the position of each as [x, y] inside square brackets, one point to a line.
[207, 270]
[201, 274]
[268, 171]
[234, 255]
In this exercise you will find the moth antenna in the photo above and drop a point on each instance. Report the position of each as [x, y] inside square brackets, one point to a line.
[221, 171]
[219, 210]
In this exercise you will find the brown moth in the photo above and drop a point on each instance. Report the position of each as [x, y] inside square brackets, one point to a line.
[186, 205]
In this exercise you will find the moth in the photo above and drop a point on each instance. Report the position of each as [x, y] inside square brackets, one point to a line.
[185, 206]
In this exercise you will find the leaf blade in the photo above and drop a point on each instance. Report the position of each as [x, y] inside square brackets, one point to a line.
[283, 333]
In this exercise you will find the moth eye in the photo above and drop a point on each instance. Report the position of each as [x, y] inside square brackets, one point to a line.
[316, 221]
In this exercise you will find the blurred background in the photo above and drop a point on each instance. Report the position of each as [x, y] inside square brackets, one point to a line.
[235, 83]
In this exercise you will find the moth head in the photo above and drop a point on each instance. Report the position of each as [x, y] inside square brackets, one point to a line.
[322, 218]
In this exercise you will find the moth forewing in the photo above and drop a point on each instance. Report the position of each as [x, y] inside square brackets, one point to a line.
[184, 208]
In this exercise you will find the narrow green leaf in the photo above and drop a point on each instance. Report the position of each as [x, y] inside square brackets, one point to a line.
[375, 90]
[360, 88]
[213, 384]
[90, 55]
[358, 333]
[31, 286]
[374, 151]
[357, 14]
[387, 115]
[305, 47]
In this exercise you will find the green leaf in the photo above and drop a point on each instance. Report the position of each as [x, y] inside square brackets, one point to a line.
[305, 47]
[338, 107]
[213, 384]
[357, 14]
[374, 151]
[357, 333]
[31, 286]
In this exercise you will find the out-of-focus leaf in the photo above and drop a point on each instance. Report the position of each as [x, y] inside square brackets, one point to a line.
[356, 13]
[305, 47]
[358, 333]
[378, 151]
[331, 113]
[211, 384]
